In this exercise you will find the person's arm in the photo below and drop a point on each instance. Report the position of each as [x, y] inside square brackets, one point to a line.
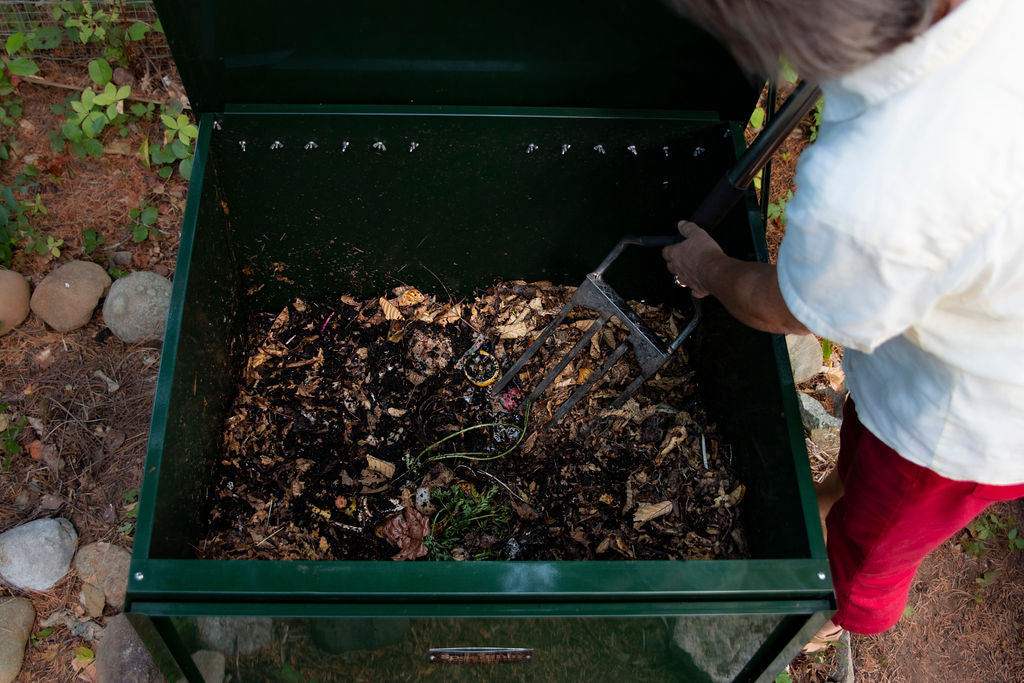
[749, 291]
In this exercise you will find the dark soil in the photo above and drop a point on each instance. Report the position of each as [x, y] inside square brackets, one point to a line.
[350, 431]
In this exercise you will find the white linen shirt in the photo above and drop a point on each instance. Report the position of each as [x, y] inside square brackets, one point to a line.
[905, 242]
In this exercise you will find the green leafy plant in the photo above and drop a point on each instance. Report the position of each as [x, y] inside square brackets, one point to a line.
[179, 136]
[777, 211]
[826, 350]
[131, 511]
[9, 432]
[461, 510]
[100, 23]
[991, 528]
[757, 118]
[144, 222]
[91, 240]
[38, 638]
[816, 120]
[16, 214]
[91, 113]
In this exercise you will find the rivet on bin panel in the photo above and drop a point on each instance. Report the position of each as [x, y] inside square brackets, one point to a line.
[632, 150]
[216, 124]
[379, 146]
[311, 145]
[276, 145]
[139, 576]
[565, 148]
[241, 144]
[413, 145]
[599, 149]
[531, 148]
[698, 151]
[344, 145]
[665, 150]
[821, 576]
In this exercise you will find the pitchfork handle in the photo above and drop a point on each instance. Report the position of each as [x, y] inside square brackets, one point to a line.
[733, 185]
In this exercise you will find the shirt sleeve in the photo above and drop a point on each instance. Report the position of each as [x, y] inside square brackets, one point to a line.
[843, 281]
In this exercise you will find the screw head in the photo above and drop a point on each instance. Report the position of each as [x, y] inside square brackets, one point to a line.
[821, 576]
[139, 576]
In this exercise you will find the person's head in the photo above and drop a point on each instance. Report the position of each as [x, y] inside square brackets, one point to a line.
[821, 39]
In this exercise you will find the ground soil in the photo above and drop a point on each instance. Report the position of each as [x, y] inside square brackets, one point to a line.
[81, 455]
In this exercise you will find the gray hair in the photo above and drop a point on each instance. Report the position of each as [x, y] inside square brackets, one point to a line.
[820, 39]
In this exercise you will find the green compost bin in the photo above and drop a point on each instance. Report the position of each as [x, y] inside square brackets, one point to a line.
[343, 146]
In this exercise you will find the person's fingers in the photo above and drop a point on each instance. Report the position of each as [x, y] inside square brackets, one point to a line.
[687, 228]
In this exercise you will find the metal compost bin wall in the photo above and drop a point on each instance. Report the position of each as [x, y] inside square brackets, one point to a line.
[321, 201]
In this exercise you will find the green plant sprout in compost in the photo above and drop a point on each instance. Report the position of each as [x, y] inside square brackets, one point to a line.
[462, 511]
[413, 463]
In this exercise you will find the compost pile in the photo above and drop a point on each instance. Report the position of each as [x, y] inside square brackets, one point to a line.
[361, 431]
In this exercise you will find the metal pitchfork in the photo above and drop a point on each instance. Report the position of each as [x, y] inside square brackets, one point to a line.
[650, 350]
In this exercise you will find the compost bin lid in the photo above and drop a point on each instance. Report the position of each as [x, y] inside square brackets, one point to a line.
[533, 53]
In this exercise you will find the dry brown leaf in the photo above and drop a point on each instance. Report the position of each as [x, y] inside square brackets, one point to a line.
[382, 466]
[836, 378]
[390, 311]
[349, 300]
[450, 315]
[514, 330]
[648, 511]
[584, 374]
[409, 296]
[407, 531]
[397, 412]
[280, 321]
[35, 449]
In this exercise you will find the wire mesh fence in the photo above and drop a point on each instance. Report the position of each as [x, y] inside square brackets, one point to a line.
[79, 30]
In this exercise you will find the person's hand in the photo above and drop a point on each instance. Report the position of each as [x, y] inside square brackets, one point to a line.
[688, 260]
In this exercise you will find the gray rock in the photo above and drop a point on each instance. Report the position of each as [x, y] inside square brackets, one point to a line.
[87, 629]
[14, 298]
[211, 665]
[92, 600]
[121, 258]
[105, 566]
[844, 672]
[122, 656]
[805, 356]
[136, 309]
[67, 297]
[122, 76]
[822, 427]
[37, 554]
[250, 634]
[814, 415]
[16, 616]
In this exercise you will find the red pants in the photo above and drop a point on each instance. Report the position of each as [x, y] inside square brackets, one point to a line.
[891, 515]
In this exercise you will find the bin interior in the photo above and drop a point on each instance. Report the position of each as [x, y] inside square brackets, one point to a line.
[278, 218]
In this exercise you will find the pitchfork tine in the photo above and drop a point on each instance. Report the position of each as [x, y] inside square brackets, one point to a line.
[534, 347]
[591, 381]
[557, 370]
